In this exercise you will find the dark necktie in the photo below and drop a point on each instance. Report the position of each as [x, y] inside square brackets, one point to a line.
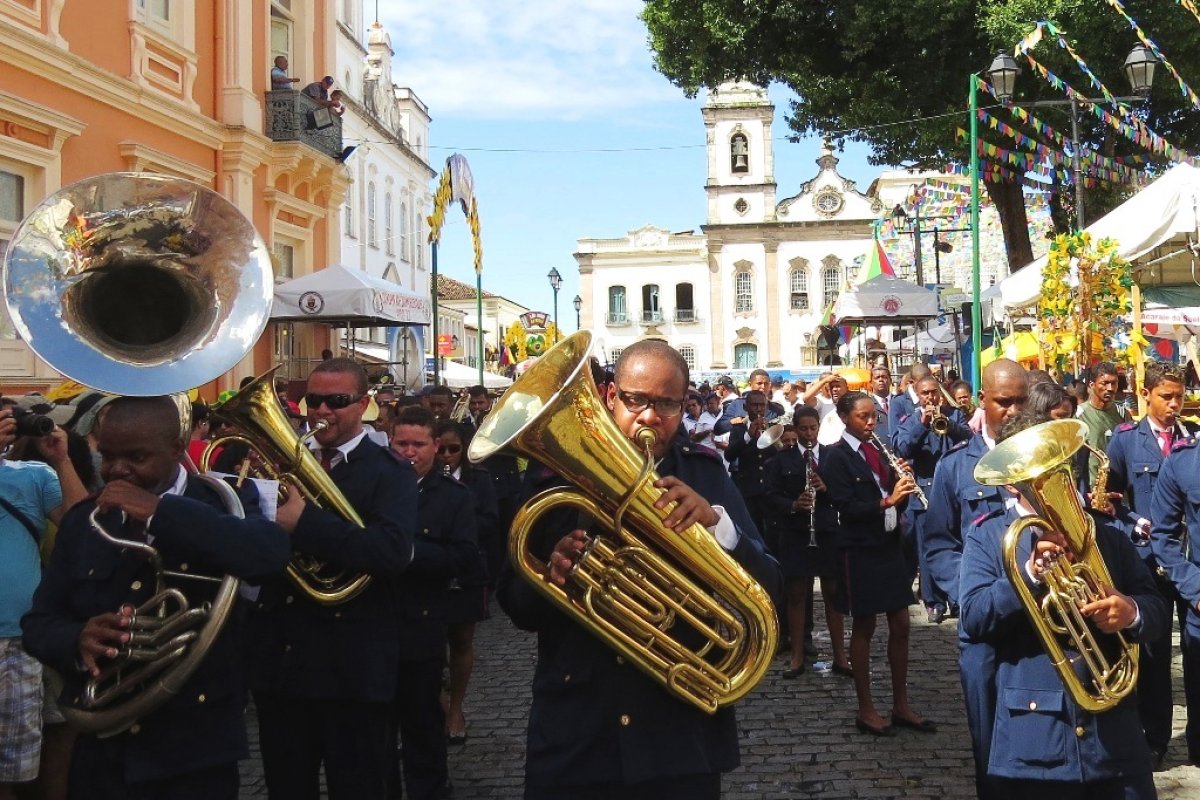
[327, 454]
[875, 462]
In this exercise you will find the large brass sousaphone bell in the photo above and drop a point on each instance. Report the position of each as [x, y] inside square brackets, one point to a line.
[674, 604]
[1098, 669]
[142, 285]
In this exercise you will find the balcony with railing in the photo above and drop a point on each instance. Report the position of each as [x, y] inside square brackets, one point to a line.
[295, 117]
[685, 315]
[650, 317]
[616, 319]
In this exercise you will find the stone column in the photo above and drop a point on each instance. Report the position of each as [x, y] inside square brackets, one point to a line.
[716, 286]
[772, 301]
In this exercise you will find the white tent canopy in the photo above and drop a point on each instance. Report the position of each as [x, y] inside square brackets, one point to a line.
[884, 300]
[1162, 215]
[350, 297]
[459, 376]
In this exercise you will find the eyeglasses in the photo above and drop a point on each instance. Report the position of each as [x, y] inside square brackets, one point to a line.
[336, 402]
[663, 406]
[449, 449]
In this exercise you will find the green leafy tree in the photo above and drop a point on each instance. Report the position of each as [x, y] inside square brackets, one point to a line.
[895, 75]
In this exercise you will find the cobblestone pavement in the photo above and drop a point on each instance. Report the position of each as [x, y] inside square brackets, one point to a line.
[798, 739]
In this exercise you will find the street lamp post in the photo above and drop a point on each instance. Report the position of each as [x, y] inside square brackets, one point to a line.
[911, 224]
[1139, 70]
[578, 303]
[555, 283]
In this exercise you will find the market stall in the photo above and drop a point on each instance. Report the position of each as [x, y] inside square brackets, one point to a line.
[885, 300]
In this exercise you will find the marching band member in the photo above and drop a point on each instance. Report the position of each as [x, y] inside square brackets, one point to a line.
[446, 548]
[808, 526]
[747, 461]
[881, 394]
[504, 469]
[324, 676]
[907, 401]
[1042, 745]
[1136, 454]
[598, 727]
[188, 747]
[957, 501]
[868, 496]
[915, 439]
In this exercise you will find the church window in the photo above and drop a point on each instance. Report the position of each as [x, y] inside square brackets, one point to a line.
[405, 243]
[798, 283]
[741, 206]
[689, 355]
[831, 282]
[388, 244]
[745, 356]
[743, 292]
[739, 153]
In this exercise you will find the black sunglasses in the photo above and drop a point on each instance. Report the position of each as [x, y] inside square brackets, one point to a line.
[336, 402]
[449, 448]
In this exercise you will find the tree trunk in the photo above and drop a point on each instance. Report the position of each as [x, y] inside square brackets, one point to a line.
[1009, 201]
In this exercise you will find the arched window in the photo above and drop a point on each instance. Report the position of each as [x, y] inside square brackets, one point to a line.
[685, 307]
[689, 355]
[389, 244]
[743, 292]
[372, 238]
[739, 153]
[617, 312]
[798, 288]
[651, 312]
[831, 282]
[745, 356]
[404, 232]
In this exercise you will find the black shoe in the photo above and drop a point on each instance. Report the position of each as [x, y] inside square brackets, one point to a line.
[845, 672]
[863, 727]
[794, 673]
[924, 726]
[1157, 757]
[935, 615]
[952, 612]
[810, 650]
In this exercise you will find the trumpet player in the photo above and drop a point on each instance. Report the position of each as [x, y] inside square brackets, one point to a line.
[598, 727]
[1042, 744]
[799, 508]
[748, 464]
[923, 437]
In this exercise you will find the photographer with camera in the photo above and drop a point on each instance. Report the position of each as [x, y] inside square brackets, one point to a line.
[31, 492]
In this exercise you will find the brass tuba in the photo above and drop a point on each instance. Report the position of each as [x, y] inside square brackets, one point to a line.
[1037, 462]
[260, 422]
[144, 285]
[641, 585]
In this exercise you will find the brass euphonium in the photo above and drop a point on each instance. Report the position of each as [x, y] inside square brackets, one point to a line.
[143, 285]
[1037, 462]
[641, 585]
[260, 422]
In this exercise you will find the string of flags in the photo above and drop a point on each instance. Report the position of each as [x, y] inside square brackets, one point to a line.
[1184, 89]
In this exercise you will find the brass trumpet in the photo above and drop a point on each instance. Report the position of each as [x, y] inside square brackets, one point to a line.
[1037, 462]
[676, 605]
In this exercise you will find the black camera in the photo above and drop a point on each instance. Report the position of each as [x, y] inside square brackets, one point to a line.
[31, 424]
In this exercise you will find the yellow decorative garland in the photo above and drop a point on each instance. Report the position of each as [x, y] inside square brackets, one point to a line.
[1077, 323]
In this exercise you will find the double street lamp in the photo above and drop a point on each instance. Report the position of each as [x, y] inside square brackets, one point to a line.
[555, 283]
[1139, 70]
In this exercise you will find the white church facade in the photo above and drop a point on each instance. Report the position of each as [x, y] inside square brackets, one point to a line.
[752, 289]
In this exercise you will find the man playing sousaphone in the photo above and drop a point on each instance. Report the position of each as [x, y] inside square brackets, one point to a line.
[83, 610]
[599, 727]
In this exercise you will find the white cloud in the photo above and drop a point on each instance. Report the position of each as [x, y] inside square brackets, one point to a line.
[522, 59]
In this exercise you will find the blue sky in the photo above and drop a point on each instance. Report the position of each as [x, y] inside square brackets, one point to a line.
[569, 130]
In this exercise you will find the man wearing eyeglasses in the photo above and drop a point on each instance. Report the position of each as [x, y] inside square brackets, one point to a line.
[598, 727]
[324, 675]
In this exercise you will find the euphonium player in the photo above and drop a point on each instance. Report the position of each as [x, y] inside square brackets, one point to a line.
[598, 727]
[324, 676]
[1043, 745]
[189, 747]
